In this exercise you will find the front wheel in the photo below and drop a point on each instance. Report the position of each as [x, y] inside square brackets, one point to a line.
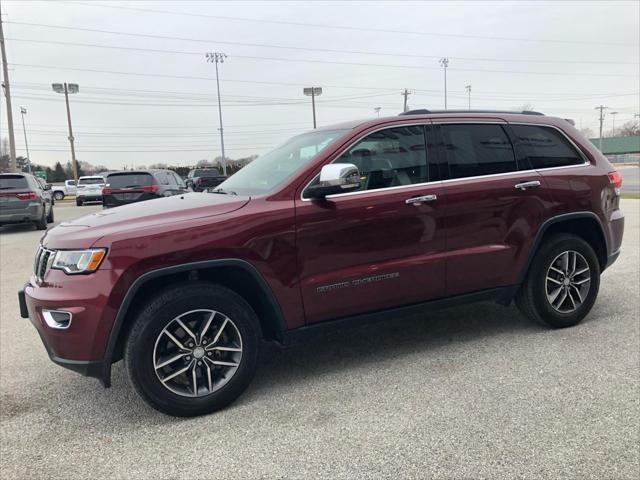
[193, 349]
[58, 195]
[562, 284]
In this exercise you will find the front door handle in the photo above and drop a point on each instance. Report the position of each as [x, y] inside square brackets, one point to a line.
[419, 200]
[525, 185]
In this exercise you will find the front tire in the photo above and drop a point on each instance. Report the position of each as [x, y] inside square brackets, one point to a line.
[193, 349]
[562, 284]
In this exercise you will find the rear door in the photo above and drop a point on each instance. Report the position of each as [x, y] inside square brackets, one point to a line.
[494, 205]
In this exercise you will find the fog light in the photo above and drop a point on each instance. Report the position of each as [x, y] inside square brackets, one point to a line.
[57, 318]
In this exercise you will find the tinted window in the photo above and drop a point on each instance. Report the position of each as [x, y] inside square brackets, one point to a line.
[179, 181]
[124, 180]
[91, 181]
[389, 158]
[7, 182]
[545, 147]
[209, 172]
[162, 178]
[474, 150]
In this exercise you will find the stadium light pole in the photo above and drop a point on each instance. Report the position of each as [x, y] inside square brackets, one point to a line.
[68, 88]
[313, 92]
[444, 62]
[23, 112]
[217, 57]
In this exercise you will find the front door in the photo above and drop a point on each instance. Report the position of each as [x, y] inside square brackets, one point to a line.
[377, 247]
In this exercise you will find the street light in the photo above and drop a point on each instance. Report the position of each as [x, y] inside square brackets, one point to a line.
[468, 89]
[444, 62]
[613, 119]
[217, 57]
[377, 110]
[313, 92]
[23, 112]
[68, 88]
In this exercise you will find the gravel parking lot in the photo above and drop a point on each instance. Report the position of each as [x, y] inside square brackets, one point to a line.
[470, 392]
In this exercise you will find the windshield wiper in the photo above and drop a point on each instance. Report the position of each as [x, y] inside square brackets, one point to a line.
[222, 191]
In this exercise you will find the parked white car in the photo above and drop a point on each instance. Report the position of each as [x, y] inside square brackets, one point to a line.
[89, 189]
[61, 191]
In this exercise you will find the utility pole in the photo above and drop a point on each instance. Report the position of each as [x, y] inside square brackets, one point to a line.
[602, 108]
[217, 57]
[444, 62]
[23, 112]
[377, 110]
[68, 88]
[405, 94]
[7, 95]
[613, 130]
[468, 89]
[313, 92]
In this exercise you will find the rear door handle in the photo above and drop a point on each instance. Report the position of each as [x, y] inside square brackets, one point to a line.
[525, 185]
[422, 199]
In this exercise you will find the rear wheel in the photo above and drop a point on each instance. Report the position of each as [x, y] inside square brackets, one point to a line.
[193, 349]
[50, 216]
[562, 284]
[41, 224]
[58, 195]
[78, 202]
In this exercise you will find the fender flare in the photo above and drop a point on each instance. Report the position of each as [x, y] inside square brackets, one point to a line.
[545, 226]
[116, 328]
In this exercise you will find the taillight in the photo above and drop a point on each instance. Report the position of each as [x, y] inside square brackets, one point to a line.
[615, 179]
[198, 181]
[27, 196]
[107, 191]
[150, 188]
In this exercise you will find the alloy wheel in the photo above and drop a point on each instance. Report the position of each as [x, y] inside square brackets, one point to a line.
[197, 353]
[568, 281]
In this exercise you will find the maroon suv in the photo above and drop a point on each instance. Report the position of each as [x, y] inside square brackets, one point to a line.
[358, 221]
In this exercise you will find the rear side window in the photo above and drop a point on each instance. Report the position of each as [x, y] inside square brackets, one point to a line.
[545, 147]
[130, 180]
[9, 182]
[476, 150]
[162, 178]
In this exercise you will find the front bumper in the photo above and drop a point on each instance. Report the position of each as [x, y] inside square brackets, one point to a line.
[81, 347]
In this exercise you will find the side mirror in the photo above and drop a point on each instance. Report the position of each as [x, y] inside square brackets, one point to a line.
[335, 178]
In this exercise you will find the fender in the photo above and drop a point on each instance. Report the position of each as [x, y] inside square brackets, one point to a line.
[105, 375]
[545, 226]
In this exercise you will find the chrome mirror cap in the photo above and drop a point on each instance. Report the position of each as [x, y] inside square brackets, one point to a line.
[343, 175]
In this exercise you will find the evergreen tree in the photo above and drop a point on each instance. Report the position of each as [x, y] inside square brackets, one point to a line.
[58, 173]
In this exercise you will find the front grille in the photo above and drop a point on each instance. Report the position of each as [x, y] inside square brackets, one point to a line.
[42, 263]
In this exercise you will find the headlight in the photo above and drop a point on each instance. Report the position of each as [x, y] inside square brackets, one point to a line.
[78, 261]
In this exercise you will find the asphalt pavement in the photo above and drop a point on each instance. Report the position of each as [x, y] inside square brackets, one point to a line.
[470, 392]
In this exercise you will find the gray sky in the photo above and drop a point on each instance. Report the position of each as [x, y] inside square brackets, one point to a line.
[572, 56]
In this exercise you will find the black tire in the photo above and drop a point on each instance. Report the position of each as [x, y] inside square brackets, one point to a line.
[159, 312]
[532, 299]
[78, 202]
[58, 195]
[42, 223]
[50, 218]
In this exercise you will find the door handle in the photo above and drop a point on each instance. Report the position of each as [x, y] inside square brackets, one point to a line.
[525, 185]
[422, 199]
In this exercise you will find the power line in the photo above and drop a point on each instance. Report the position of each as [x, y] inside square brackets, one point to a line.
[284, 47]
[348, 27]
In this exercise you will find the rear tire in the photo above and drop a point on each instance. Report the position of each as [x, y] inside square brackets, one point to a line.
[558, 292]
[42, 223]
[233, 327]
[58, 195]
[50, 216]
[78, 202]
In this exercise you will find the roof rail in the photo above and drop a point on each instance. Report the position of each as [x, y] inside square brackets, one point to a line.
[424, 111]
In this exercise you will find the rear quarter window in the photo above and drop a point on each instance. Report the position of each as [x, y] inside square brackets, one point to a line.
[545, 147]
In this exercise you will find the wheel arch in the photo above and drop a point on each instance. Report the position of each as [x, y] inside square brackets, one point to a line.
[236, 274]
[586, 225]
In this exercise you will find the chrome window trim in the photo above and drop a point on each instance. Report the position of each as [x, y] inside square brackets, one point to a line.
[442, 182]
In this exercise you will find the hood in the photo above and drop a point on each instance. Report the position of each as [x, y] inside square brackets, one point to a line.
[85, 231]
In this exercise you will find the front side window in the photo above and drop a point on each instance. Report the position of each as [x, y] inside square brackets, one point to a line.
[389, 158]
[545, 147]
[477, 149]
[271, 169]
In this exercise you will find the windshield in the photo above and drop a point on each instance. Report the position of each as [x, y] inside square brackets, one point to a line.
[271, 169]
[91, 181]
[129, 180]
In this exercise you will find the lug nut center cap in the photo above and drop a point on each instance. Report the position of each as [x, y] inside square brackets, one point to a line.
[198, 352]
[566, 282]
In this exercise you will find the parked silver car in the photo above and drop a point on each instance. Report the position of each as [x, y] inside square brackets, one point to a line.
[25, 198]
